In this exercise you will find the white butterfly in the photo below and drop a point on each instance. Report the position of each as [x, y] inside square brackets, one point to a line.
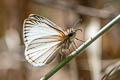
[42, 39]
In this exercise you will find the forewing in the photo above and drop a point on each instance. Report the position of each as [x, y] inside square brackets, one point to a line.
[36, 27]
[45, 20]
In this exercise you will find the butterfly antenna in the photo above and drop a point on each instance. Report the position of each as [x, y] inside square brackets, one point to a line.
[79, 40]
[76, 22]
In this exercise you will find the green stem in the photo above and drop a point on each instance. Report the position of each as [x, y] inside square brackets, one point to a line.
[81, 48]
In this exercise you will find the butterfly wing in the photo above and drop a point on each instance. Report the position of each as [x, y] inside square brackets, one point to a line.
[42, 39]
[35, 27]
[40, 53]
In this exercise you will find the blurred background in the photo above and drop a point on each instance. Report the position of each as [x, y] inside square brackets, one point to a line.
[100, 61]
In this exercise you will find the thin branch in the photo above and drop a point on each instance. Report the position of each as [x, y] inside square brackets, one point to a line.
[82, 47]
[111, 70]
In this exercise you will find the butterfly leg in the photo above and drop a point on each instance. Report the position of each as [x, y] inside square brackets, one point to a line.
[62, 54]
[74, 45]
[79, 40]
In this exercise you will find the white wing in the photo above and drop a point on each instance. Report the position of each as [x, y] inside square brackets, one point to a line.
[42, 39]
[39, 54]
[35, 27]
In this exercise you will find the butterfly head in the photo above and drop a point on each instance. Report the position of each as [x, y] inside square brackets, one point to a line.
[71, 33]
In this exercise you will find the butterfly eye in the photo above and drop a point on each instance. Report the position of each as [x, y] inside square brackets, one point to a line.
[70, 34]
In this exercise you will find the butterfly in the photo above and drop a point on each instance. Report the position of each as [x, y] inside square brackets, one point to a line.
[43, 38]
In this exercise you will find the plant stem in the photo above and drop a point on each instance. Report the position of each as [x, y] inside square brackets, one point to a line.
[81, 48]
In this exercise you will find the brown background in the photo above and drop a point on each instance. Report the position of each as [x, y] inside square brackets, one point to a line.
[13, 66]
